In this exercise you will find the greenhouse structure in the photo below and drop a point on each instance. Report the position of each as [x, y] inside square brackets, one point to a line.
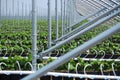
[59, 39]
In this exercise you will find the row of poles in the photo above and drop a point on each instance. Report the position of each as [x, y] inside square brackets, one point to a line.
[66, 16]
[71, 54]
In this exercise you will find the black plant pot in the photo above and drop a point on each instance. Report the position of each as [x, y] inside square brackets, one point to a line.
[4, 77]
[45, 78]
[115, 56]
[117, 73]
[16, 77]
[83, 55]
[67, 78]
[11, 77]
[56, 78]
[55, 55]
[99, 56]
[91, 56]
[107, 56]
[79, 79]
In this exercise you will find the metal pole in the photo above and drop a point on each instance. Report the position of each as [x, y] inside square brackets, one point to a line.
[62, 16]
[63, 59]
[6, 15]
[23, 15]
[25, 20]
[18, 13]
[56, 17]
[49, 24]
[13, 11]
[0, 14]
[29, 15]
[34, 35]
[78, 34]
[68, 14]
[71, 12]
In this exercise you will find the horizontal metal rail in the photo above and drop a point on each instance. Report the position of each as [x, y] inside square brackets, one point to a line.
[85, 59]
[75, 52]
[78, 34]
[17, 72]
[58, 74]
[88, 23]
[83, 75]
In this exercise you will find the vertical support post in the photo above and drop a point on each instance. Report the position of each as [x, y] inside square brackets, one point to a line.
[67, 2]
[29, 15]
[34, 35]
[18, 12]
[22, 14]
[6, 14]
[26, 14]
[68, 13]
[49, 23]
[62, 16]
[71, 15]
[64, 24]
[0, 14]
[56, 18]
[73, 12]
[13, 11]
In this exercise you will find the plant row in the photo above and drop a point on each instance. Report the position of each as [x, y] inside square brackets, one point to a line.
[71, 66]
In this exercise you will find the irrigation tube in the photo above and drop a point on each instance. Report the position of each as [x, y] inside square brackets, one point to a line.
[78, 34]
[88, 23]
[34, 35]
[63, 59]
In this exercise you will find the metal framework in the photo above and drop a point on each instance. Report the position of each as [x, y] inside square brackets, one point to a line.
[80, 32]
[68, 15]
[61, 60]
